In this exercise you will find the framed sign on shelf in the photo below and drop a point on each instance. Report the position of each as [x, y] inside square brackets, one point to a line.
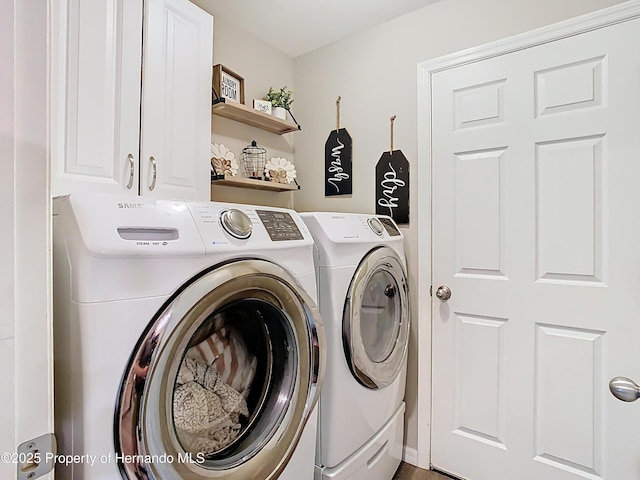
[228, 84]
[263, 106]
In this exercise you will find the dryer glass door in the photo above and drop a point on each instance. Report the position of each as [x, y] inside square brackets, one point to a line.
[376, 319]
[224, 380]
[380, 316]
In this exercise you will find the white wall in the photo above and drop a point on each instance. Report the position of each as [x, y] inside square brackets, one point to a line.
[261, 66]
[375, 74]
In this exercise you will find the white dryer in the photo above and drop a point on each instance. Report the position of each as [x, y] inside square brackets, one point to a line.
[364, 303]
[188, 344]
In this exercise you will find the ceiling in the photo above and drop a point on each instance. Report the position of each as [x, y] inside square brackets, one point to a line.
[299, 26]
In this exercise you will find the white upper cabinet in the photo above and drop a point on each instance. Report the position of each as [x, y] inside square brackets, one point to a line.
[176, 100]
[131, 98]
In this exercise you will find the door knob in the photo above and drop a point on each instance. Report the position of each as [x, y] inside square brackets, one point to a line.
[624, 389]
[443, 293]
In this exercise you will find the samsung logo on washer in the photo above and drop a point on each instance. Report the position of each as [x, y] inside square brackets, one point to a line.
[137, 205]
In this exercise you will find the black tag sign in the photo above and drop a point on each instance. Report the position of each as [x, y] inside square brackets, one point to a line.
[392, 186]
[338, 151]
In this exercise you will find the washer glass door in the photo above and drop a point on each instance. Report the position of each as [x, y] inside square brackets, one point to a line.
[376, 319]
[224, 380]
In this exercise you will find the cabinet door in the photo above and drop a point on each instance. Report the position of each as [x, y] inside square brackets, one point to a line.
[96, 51]
[176, 100]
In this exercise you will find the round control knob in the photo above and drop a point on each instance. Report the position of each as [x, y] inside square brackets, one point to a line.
[236, 223]
[376, 226]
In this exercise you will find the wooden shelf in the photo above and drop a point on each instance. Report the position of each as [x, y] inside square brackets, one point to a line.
[250, 116]
[253, 183]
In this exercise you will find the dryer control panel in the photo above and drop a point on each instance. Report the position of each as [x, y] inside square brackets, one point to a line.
[345, 238]
[352, 227]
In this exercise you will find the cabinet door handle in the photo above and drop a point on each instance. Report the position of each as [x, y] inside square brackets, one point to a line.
[155, 173]
[131, 171]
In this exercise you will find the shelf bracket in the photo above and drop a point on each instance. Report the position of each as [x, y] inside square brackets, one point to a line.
[294, 119]
[217, 99]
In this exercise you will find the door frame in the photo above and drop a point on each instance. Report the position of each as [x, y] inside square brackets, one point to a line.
[25, 204]
[557, 31]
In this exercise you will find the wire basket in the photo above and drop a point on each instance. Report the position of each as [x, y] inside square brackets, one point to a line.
[254, 158]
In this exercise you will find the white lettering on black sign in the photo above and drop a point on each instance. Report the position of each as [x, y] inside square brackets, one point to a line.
[338, 152]
[389, 185]
[392, 186]
[336, 167]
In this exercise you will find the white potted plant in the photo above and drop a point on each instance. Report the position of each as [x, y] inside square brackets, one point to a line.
[281, 101]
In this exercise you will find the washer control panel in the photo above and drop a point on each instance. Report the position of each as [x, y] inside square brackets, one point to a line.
[279, 225]
[232, 226]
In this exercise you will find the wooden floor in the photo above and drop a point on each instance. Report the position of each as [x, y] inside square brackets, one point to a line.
[409, 472]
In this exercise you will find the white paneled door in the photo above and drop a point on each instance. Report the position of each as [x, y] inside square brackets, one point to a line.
[536, 231]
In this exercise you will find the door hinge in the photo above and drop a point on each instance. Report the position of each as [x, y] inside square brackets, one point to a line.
[36, 457]
[431, 290]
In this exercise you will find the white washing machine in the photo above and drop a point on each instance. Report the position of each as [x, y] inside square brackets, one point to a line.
[188, 344]
[364, 303]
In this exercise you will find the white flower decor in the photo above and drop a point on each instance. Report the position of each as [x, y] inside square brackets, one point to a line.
[280, 170]
[223, 161]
